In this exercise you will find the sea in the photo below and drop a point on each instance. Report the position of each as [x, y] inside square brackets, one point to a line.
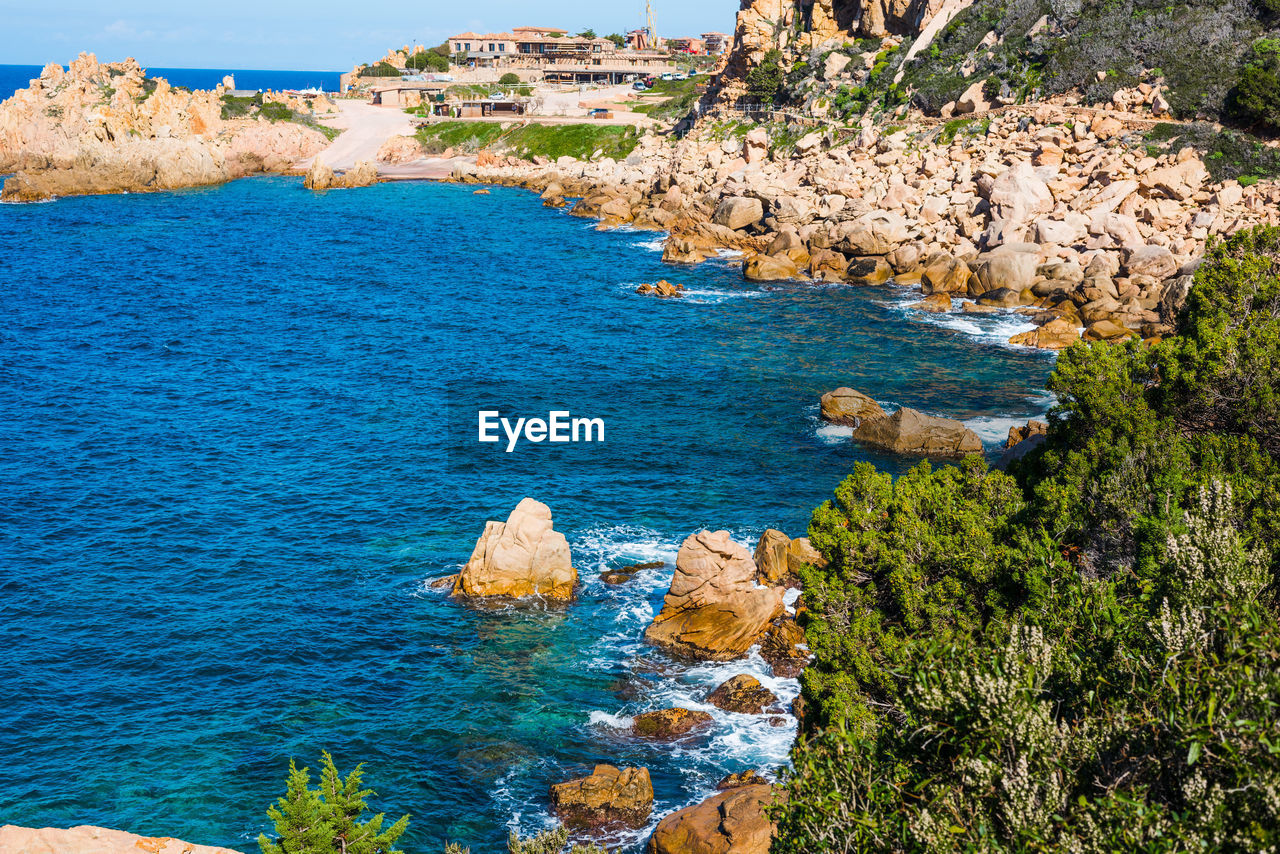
[15, 77]
[239, 439]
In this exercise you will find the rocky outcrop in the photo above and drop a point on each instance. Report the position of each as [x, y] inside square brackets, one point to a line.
[94, 840]
[850, 407]
[743, 694]
[661, 288]
[321, 177]
[732, 822]
[779, 558]
[608, 796]
[785, 648]
[908, 431]
[666, 724]
[520, 558]
[108, 128]
[714, 609]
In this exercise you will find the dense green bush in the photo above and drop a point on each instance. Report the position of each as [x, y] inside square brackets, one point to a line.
[428, 60]
[928, 555]
[764, 82]
[1085, 655]
[328, 819]
[381, 69]
[509, 79]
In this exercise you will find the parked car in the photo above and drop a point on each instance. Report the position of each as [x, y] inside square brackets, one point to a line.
[639, 85]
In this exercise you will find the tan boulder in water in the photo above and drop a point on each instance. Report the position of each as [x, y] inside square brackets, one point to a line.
[743, 694]
[610, 795]
[519, 558]
[850, 407]
[908, 431]
[94, 840]
[732, 822]
[714, 610]
[669, 723]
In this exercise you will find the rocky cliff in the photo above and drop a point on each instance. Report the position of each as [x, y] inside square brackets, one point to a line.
[103, 128]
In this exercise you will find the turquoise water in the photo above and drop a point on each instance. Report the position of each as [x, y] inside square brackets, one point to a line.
[239, 435]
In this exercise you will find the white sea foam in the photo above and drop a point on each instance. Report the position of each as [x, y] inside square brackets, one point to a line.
[833, 434]
[620, 722]
[994, 328]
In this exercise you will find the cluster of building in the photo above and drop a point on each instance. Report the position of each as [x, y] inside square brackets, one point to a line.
[562, 58]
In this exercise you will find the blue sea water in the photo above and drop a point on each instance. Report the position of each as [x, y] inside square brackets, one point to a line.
[238, 437]
[15, 77]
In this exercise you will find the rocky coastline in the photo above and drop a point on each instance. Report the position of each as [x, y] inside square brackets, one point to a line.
[109, 128]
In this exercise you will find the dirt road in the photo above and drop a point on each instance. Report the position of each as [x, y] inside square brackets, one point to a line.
[364, 129]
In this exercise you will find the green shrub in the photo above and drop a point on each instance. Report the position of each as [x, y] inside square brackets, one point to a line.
[509, 79]
[428, 60]
[764, 82]
[929, 554]
[381, 69]
[328, 819]
[1088, 659]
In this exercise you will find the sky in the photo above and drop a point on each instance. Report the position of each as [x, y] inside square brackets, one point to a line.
[319, 35]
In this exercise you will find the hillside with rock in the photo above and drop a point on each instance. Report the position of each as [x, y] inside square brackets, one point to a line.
[108, 127]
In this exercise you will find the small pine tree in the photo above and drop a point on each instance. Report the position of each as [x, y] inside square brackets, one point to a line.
[764, 82]
[327, 819]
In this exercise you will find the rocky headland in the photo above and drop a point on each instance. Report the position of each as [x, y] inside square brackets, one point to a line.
[94, 840]
[109, 128]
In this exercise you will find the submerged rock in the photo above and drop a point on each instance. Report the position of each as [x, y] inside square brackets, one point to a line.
[750, 777]
[713, 610]
[732, 822]
[908, 431]
[94, 840]
[669, 723]
[743, 694]
[661, 288]
[609, 796]
[519, 558]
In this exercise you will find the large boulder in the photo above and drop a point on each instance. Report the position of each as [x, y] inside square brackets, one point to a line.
[1019, 196]
[910, 432]
[1058, 334]
[770, 268]
[519, 558]
[850, 407]
[1013, 267]
[732, 822]
[743, 694]
[875, 233]
[944, 274]
[714, 610]
[93, 840]
[609, 796]
[1154, 261]
[779, 558]
[667, 724]
[738, 212]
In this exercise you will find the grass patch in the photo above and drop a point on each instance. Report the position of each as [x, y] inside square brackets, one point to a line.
[530, 140]
[672, 99]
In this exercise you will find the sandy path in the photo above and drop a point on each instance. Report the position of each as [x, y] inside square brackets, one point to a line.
[364, 129]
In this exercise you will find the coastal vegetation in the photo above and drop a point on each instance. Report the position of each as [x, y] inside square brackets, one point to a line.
[328, 818]
[253, 106]
[1082, 654]
[528, 141]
